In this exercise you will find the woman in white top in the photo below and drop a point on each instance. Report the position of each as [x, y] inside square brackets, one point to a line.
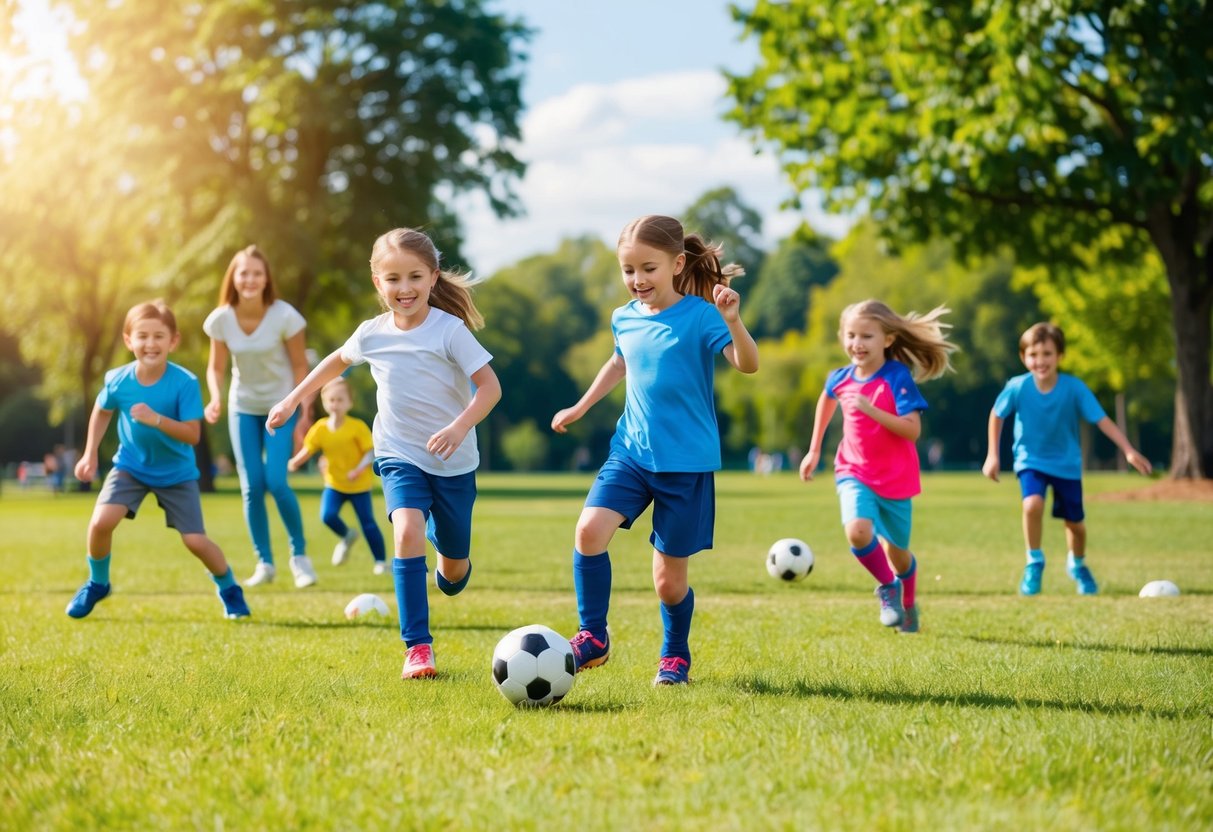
[265, 338]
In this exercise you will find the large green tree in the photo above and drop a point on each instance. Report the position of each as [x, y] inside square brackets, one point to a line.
[1003, 122]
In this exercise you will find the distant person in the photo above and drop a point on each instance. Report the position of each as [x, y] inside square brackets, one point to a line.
[264, 335]
[159, 407]
[54, 463]
[667, 443]
[422, 355]
[347, 446]
[876, 467]
[1048, 406]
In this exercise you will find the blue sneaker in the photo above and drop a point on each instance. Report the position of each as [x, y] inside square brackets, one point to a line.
[1030, 585]
[1085, 580]
[909, 620]
[673, 670]
[588, 651]
[233, 602]
[891, 611]
[87, 598]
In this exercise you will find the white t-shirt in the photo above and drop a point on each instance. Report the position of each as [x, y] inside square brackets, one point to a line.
[422, 377]
[261, 367]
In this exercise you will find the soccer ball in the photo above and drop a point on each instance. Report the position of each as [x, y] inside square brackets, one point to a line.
[364, 605]
[790, 559]
[533, 666]
[1158, 589]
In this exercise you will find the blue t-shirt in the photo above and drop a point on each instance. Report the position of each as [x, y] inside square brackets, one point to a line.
[1046, 424]
[669, 419]
[147, 453]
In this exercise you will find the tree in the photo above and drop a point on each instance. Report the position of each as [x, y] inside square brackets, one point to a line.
[781, 301]
[723, 217]
[1034, 125]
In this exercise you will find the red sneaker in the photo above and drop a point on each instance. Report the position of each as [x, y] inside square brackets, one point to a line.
[419, 662]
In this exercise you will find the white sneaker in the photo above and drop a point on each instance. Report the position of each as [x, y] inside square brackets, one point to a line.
[342, 550]
[379, 568]
[304, 572]
[263, 574]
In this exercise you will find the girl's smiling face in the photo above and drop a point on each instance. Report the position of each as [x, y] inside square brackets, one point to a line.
[404, 282]
[865, 342]
[649, 274]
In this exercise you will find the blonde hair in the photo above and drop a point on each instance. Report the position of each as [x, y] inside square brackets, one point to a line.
[1038, 334]
[451, 292]
[227, 289]
[702, 270]
[156, 310]
[918, 340]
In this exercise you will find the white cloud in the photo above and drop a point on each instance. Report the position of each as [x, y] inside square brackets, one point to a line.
[601, 154]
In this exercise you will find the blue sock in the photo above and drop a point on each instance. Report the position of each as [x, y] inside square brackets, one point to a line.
[1036, 556]
[677, 623]
[412, 602]
[99, 569]
[225, 580]
[1074, 561]
[592, 580]
[452, 588]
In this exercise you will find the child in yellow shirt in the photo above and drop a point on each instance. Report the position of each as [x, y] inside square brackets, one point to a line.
[348, 451]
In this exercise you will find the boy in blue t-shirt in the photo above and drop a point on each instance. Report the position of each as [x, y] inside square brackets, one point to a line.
[159, 408]
[1048, 405]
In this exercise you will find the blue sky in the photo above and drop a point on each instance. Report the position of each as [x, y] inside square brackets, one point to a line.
[624, 102]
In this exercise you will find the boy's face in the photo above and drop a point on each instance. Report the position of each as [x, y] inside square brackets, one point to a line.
[150, 340]
[336, 401]
[1042, 360]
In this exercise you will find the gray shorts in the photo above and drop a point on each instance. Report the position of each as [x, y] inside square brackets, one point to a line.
[182, 503]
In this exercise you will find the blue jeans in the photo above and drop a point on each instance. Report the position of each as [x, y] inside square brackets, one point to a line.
[261, 463]
[331, 501]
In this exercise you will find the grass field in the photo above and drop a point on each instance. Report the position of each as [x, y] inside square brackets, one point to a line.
[1058, 712]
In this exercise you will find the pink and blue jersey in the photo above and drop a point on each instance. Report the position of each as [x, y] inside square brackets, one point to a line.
[870, 453]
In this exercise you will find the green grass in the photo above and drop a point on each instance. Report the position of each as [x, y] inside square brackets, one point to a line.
[1058, 711]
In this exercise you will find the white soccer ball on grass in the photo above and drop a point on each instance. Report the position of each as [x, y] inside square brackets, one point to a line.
[533, 666]
[364, 605]
[790, 559]
[1158, 589]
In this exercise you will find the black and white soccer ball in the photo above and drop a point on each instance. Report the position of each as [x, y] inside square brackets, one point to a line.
[533, 666]
[790, 559]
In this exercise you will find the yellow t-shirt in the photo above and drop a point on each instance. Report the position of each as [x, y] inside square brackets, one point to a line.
[343, 448]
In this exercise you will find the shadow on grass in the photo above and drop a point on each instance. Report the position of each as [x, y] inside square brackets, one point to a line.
[1103, 648]
[765, 687]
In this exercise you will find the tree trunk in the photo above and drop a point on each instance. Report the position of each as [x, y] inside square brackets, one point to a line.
[1192, 315]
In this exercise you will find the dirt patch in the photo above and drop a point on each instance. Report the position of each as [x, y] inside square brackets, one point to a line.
[1169, 490]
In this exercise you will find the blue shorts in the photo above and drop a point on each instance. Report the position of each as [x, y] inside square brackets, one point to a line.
[1067, 494]
[684, 504]
[446, 503]
[893, 519]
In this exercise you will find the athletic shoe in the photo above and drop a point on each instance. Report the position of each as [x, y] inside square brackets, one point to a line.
[588, 651]
[909, 620]
[379, 568]
[1085, 580]
[673, 670]
[302, 569]
[891, 611]
[263, 574]
[342, 550]
[419, 662]
[233, 602]
[1030, 585]
[86, 598]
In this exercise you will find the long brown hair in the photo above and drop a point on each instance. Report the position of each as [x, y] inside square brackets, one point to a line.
[918, 340]
[702, 270]
[452, 290]
[227, 289]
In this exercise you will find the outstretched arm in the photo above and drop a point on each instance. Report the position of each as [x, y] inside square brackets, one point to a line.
[327, 370]
[612, 372]
[991, 466]
[1114, 433]
[821, 420]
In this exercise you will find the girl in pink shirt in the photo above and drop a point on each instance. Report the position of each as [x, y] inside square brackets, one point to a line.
[876, 468]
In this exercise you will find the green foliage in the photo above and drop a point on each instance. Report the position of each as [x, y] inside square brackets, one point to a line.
[525, 447]
[1080, 713]
[781, 301]
[723, 217]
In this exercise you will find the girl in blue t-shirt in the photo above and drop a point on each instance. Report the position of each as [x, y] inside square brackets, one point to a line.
[666, 444]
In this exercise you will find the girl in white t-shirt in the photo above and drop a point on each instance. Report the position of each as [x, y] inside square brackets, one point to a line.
[265, 338]
[422, 354]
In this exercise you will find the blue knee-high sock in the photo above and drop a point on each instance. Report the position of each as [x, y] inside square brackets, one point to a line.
[677, 622]
[225, 580]
[592, 580]
[99, 569]
[412, 603]
[452, 587]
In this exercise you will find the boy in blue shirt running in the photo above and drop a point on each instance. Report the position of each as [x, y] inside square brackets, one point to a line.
[1048, 405]
[159, 408]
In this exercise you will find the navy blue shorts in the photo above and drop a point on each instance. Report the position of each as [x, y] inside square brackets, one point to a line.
[446, 503]
[684, 504]
[1067, 494]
